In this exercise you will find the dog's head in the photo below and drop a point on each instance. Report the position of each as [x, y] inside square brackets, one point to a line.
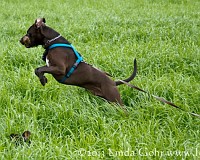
[34, 35]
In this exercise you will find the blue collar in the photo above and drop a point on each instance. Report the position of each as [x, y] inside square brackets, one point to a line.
[79, 59]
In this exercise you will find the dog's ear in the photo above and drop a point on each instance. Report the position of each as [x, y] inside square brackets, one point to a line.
[39, 22]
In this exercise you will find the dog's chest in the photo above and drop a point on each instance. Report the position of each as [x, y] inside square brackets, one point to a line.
[47, 62]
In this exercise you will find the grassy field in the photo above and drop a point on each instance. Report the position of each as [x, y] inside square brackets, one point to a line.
[68, 122]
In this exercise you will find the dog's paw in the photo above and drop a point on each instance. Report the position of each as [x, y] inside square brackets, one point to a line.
[43, 80]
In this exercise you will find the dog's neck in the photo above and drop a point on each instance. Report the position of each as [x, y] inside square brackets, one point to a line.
[52, 40]
[55, 38]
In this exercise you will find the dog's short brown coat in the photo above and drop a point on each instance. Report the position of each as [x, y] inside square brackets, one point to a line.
[61, 59]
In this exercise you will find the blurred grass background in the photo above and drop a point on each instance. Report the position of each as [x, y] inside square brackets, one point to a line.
[69, 123]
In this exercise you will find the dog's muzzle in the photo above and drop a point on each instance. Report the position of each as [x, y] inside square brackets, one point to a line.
[26, 41]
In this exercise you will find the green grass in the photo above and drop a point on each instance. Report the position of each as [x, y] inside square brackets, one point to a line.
[68, 122]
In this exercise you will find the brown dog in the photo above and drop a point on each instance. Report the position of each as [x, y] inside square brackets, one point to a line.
[66, 64]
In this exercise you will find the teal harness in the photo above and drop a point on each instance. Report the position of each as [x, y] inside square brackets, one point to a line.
[79, 59]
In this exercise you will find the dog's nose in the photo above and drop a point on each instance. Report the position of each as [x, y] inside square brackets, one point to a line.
[21, 41]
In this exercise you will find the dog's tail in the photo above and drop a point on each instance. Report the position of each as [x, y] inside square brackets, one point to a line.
[131, 77]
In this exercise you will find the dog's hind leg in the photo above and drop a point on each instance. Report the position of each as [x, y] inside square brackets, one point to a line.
[108, 92]
[111, 94]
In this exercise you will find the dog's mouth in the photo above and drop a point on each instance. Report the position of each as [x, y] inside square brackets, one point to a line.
[26, 41]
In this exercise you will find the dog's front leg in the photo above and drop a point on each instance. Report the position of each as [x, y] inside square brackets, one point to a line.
[44, 69]
[40, 74]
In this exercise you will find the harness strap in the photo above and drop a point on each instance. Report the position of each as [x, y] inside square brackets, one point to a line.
[79, 59]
